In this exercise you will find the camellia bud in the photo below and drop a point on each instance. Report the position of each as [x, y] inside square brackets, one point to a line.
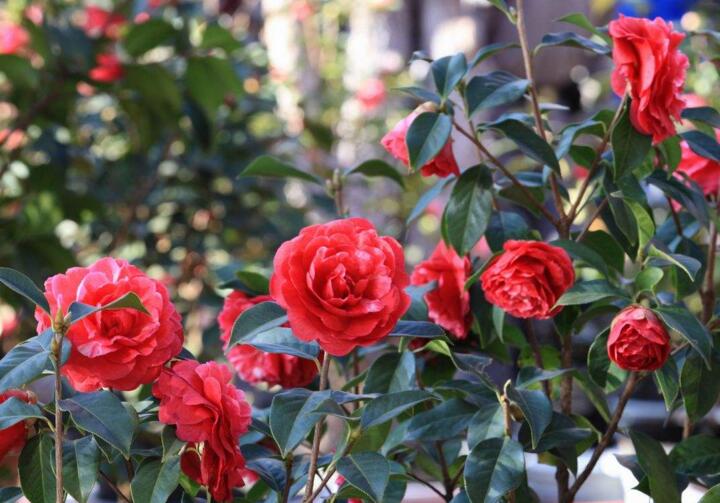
[638, 340]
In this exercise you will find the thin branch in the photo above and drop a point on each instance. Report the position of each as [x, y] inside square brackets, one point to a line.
[447, 480]
[537, 354]
[317, 434]
[59, 427]
[114, 487]
[288, 479]
[606, 438]
[427, 484]
[594, 217]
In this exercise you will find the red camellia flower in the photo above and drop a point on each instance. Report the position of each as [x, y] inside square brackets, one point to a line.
[528, 278]
[100, 22]
[705, 172]
[638, 340]
[13, 38]
[342, 284]
[253, 365]
[108, 69]
[12, 438]
[442, 165]
[211, 414]
[114, 348]
[449, 303]
[647, 60]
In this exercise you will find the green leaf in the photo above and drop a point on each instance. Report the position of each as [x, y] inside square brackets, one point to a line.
[683, 322]
[210, 80]
[420, 93]
[595, 394]
[585, 292]
[536, 408]
[14, 410]
[527, 141]
[256, 320]
[130, 300]
[281, 340]
[142, 37]
[390, 373]
[629, 146]
[607, 247]
[579, 251]
[688, 265]
[656, 465]
[489, 50]
[572, 131]
[256, 282]
[81, 461]
[467, 213]
[386, 407]
[271, 471]
[37, 475]
[19, 70]
[707, 115]
[426, 136]
[580, 20]
[447, 73]
[502, 6]
[156, 480]
[572, 39]
[644, 222]
[157, 88]
[19, 283]
[712, 496]
[503, 226]
[102, 414]
[494, 89]
[378, 168]
[272, 167]
[427, 198]
[598, 361]
[293, 414]
[488, 422]
[170, 443]
[421, 329]
[446, 420]
[493, 468]
[668, 382]
[700, 385]
[26, 362]
[702, 144]
[367, 471]
[697, 456]
[647, 279]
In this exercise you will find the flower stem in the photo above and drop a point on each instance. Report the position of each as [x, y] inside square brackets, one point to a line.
[58, 337]
[312, 471]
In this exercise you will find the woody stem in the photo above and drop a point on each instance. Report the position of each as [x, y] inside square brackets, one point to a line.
[59, 429]
[317, 433]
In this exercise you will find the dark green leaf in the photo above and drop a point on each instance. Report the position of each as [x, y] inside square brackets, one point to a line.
[712, 496]
[447, 73]
[130, 300]
[629, 146]
[595, 394]
[367, 471]
[607, 247]
[707, 115]
[697, 456]
[489, 50]
[156, 480]
[81, 461]
[579, 19]
[26, 362]
[141, 37]
[271, 471]
[702, 144]
[390, 373]
[647, 279]
[281, 340]
[494, 89]
[527, 141]
[18, 70]
[572, 39]
[585, 292]
[656, 465]
[293, 414]
[598, 361]
[445, 420]
[254, 281]
[256, 320]
[579, 251]
[386, 407]
[157, 88]
[502, 6]
[37, 475]
[700, 386]
[426, 136]
[493, 468]
[217, 36]
[536, 409]
[210, 81]
[688, 265]
[572, 131]
[683, 322]
[102, 414]
[503, 226]
[18, 282]
[468, 211]
[427, 198]
[375, 168]
[419, 93]
[14, 410]
[273, 167]
[668, 382]
[421, 329]
[488, 422]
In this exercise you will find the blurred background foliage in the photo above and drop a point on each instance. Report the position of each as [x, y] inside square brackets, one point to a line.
[138, 157]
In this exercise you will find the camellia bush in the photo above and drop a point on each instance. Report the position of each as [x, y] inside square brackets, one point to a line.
[384, 372]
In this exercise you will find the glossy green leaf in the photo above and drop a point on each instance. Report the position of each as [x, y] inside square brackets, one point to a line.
[489, 50]
[629, 146]
[390, 373]
[467, 213]
[156, 480]
[130, 300]
[280, 340]
[102, 414]
[493, 468]
[426, 136]
[272, 167]
[488, 422]
[447, 73]
[19, 283]
[210, 81]
[647, 279]
[598, 361]
[36, 468]
[702, 144]
[707, 115]
[386, 407]
[503, 226]
[688, 265]
[256, 320]
[697, 456]
[377, 168]
[444, 421]
[427, 198]
[81, 462]
[141, 37]
[683, 322]
[527, 141]
[494, 89]
[712, 496]
[580, 20]
[572, 39]
[536, 409]
[421, 329]
[668, 382]
[367, 471]
[700, 385]
[585, 292]
[13, 410]
[293, 414]
[656, 465]
[579, 251]
[26, 362]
